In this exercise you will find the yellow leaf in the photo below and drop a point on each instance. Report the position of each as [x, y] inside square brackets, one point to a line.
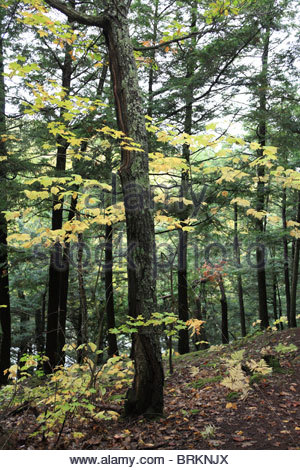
[12, 215]
[257, 214]
[240, 202]
[19, 237]
[254, 145]
[92, 346]
[77, 179]
[211, 126]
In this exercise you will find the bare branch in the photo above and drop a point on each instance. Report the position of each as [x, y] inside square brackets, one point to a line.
[172, 41]
[74, 15]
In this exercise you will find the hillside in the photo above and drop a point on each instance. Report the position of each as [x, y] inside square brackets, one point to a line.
[200, 413]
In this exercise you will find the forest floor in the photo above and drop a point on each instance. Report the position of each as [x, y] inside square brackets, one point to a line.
[200, 413]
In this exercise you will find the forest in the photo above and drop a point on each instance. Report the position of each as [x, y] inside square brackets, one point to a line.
[149, 224]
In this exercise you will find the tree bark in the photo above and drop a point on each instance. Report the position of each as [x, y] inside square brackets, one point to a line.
[40, 325]
[5, 318]
[146, 394]
[293, 321]
[82, 335]
[239, 277]
[108, 267]
[59, 264]
[224, 310]
[200, 315]
[286, 261]
[109, 292]
[275, 307]
[23, 326]
[183, 307]
[262, 133]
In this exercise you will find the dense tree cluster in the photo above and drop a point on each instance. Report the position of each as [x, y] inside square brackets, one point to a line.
[149, 164]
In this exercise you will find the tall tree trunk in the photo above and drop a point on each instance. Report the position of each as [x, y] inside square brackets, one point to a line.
[146, 394]
[286, 261]
[59, 264]
[279, 307]
[23, 326]
[108, 268]
[151, 78]
[262, 133]
[109, 292]
[293, 321]
[83, 312]
[183, 308]
[239, 277]
[5, 319]
[224, 311]
[64, 288]
[275, 307]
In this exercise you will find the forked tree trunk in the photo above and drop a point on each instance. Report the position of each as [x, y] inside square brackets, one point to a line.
[5, 320]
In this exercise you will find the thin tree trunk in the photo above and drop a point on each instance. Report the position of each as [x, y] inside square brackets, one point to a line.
[224, 311]
[152, 54]
[201, 338]
[293, 322]
[64, 288]
[183, 308]
[109, 292]
[23, 326]
[40, 325]
[275, 309]
[239, 277]
[286, 261]
[262, 132]
[5, 318]
[279, 307]
[108, 269]
[59, 266]
[83, 312]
